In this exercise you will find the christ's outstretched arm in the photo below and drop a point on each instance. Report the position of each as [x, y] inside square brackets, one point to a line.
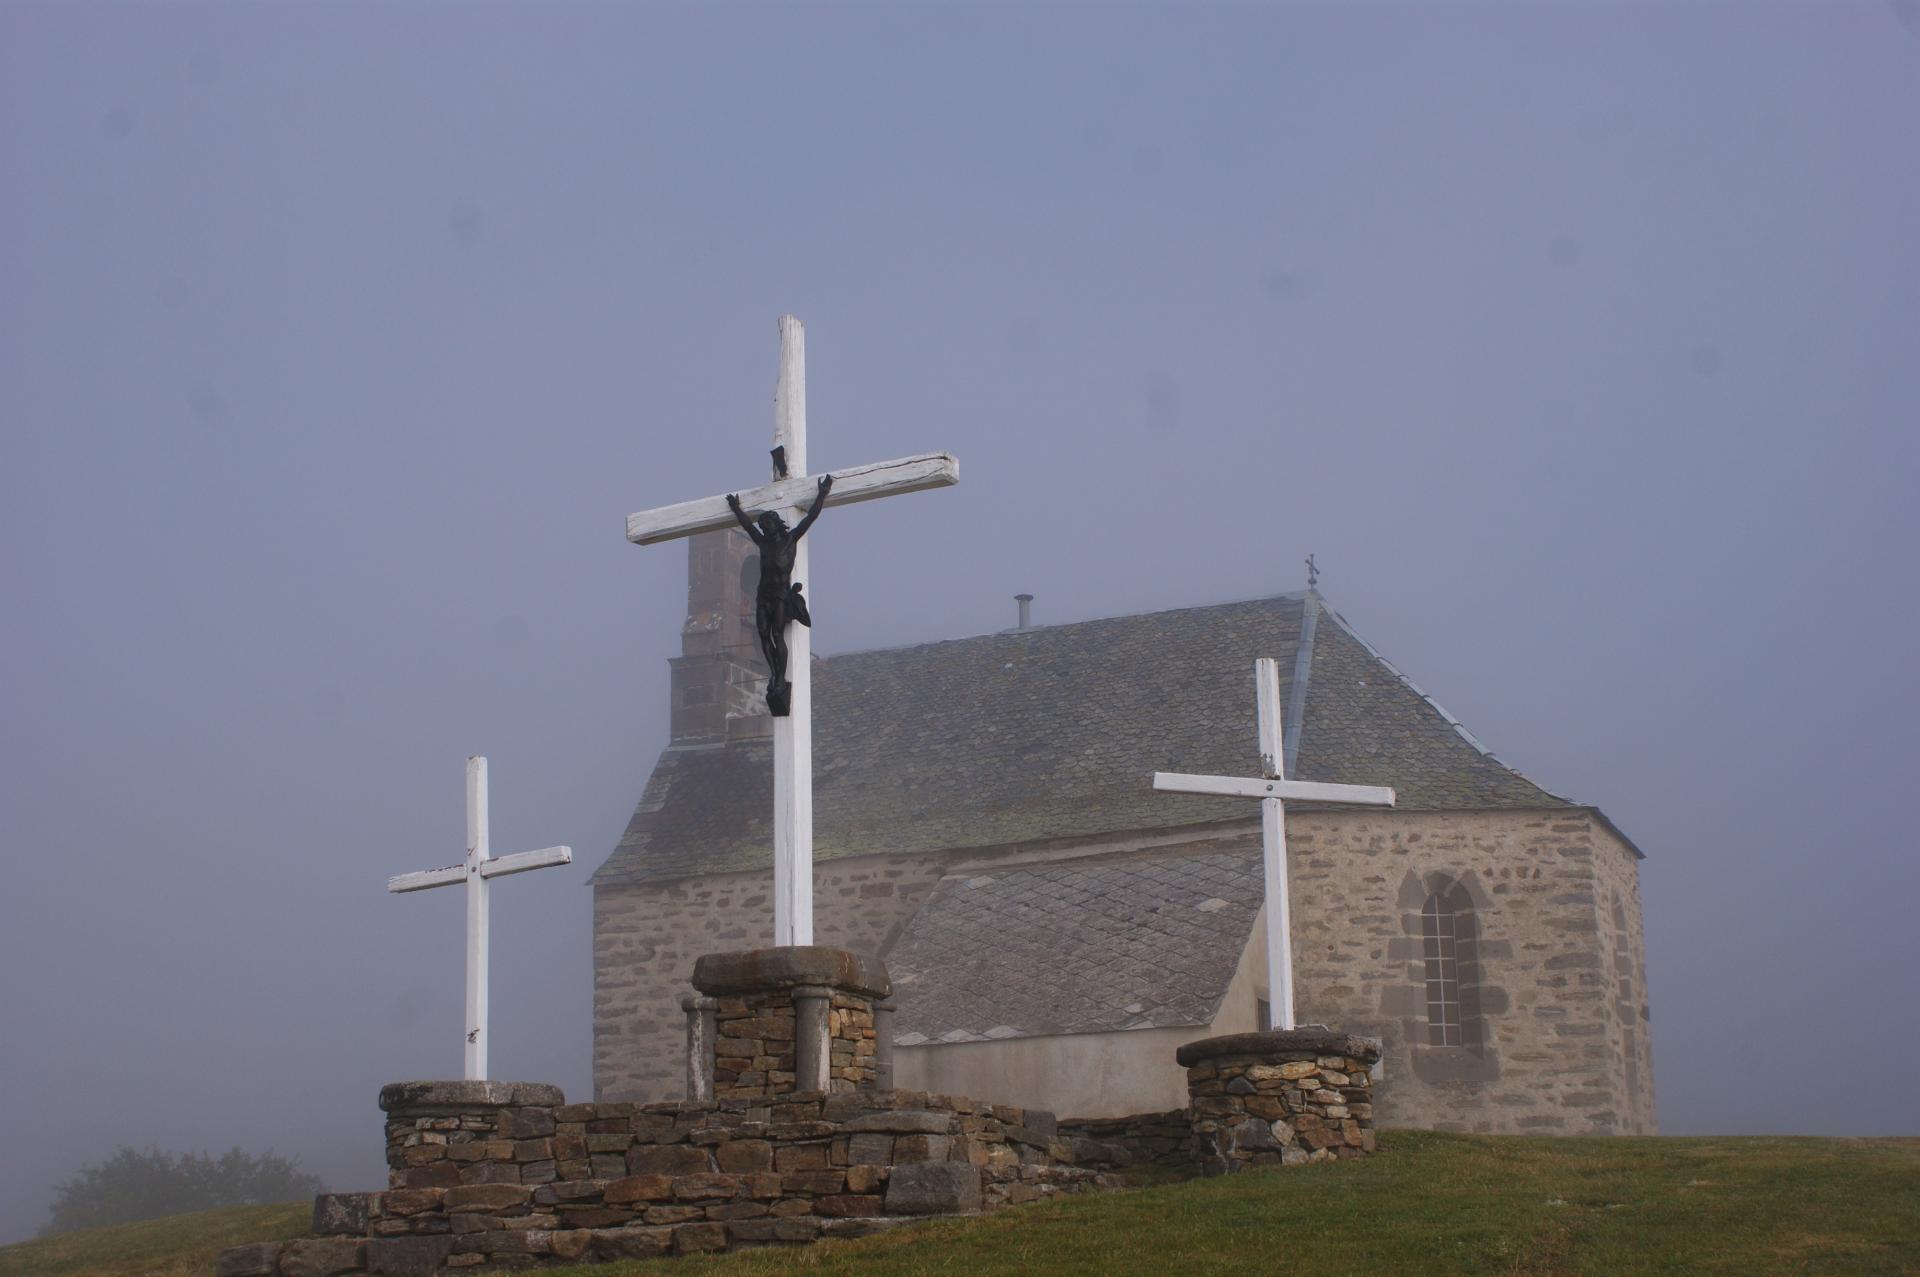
[746, 524]
[826, 485]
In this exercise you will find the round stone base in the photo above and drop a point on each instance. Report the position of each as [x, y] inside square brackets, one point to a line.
[1283, 1097]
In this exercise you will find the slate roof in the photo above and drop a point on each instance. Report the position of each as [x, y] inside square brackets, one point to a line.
[1054, 732]
[1081, 946]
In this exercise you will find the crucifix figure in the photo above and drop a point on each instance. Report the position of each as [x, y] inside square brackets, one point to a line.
[1272, 788]
[779, 599]
[780, 603]
[480, 866]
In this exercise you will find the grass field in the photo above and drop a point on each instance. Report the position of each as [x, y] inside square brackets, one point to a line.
[178, 1246]
[1428, 1204]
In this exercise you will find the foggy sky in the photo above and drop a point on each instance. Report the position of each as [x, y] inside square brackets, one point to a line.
[336, 341]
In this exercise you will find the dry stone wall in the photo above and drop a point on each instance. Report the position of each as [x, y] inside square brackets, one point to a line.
[1283, 1097]
[1163, 1140]
[504, 1175]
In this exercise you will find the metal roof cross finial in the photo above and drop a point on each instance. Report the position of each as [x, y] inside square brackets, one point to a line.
[1313, 573]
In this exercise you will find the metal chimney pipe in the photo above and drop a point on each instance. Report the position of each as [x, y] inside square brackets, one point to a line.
[1026, 611]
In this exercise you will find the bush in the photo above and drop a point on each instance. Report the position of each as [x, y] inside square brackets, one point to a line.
[132, 1185]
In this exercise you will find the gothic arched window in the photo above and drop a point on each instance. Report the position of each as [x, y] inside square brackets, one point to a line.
[1440, 948]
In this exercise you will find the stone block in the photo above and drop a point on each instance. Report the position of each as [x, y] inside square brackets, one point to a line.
[411, 1201]
[730, 1211]
[526, 1124]
[742, 1156]
[692, 1239]
[486, 1197]
[689, 1188]
[843, 1204]
[866, 1178]
[789, 966]
[412, 1097]
[870, 1148]
[801, 1157]
[753, 1232]
[340, 1214]
[813, 1182]
[595, 1216]
[921, 1148]
[901, 1122]
[638, 1188]
[407, 1256]
[630, 1243]
[665, 1159]
[933, 1188]
[258, 1259]
[570, 1243]
[436, 1175]
[674, 1214]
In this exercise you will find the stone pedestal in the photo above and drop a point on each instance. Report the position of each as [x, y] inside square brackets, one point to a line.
[1282, 1097]
[793, 1018]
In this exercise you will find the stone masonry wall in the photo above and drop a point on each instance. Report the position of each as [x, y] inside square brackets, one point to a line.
[1539, 979]
[1630, 1034]
[1279, 1098]
[754, 1037]
[1556, 989]
[1163, 1140]
[646, 939]
[532, 1182]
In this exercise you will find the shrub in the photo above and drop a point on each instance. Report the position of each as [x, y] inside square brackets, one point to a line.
[133, 1185]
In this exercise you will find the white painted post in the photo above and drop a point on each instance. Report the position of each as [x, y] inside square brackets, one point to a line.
[477, 872]
[794, 495]
[1272, 789]
[478, 932]
[793, 734]
[1273, 849]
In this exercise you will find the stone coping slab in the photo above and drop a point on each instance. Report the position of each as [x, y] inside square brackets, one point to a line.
[398, 1096]
[790, 966]
[1316, 1041]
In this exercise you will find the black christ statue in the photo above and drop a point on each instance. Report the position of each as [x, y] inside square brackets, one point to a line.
[779, 599]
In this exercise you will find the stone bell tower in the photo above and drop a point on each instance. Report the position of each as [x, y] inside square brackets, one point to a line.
[719, 679]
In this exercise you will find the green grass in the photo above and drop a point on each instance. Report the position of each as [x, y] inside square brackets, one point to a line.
[1433, 1204]
[1428, 1204]
[177, 1246]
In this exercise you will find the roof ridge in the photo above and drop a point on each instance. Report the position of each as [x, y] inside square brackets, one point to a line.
[1458, 726]
[1289, 596]
[1296, 715]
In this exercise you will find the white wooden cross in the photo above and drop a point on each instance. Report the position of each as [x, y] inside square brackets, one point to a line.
[480, 867]
[792, 495]
[1272, 788]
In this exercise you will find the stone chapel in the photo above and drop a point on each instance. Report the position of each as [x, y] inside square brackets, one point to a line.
[1055, 929]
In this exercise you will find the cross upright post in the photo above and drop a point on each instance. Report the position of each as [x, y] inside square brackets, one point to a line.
[1273, 788]
[793, 731]
[793, 499]
[476, 871]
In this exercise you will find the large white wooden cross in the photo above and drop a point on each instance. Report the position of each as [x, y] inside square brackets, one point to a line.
[1273, 788]
[480, 866]
[792, 495]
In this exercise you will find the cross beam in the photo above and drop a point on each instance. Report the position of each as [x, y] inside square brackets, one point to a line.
[794, 491]
[856, 483]
[1274, 789]
[478, 869]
